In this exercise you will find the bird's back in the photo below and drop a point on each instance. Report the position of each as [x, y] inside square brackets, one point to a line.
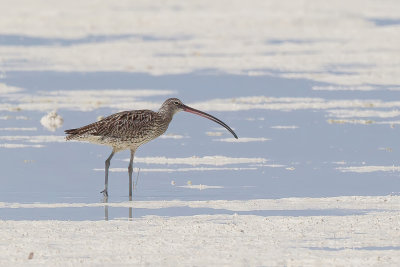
[123, 130]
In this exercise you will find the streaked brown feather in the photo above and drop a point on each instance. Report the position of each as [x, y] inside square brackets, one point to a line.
[119, 125]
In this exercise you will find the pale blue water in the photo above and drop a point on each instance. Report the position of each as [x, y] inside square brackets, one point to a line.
[356, 248]
[100, 213]
[382, 22]
[63, 172]
[22, 40]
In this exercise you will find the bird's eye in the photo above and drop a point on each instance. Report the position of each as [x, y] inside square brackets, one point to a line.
[176, 102]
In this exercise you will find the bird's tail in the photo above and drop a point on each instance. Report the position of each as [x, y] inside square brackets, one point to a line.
[71, 133]
[82, 131]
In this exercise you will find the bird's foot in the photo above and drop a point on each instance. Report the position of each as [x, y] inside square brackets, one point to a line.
[105, 193]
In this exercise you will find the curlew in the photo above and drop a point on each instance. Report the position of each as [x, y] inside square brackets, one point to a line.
[131, 129]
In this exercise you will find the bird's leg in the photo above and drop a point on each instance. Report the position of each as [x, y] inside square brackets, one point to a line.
[130, 170]
[107, 163]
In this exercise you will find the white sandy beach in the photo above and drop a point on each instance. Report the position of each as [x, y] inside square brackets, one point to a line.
[303, 39]
[371, 237]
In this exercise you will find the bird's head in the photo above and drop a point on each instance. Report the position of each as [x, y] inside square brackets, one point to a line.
[173, 105]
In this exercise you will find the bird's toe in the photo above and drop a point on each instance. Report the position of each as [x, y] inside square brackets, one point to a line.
[105, 193]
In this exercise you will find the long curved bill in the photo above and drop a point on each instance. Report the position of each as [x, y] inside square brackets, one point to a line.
[208, 116]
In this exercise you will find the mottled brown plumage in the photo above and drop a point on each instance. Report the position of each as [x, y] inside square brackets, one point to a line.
[131, 129]
[123, 130]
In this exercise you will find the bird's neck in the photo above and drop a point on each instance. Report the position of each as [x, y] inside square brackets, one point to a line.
[166, 114]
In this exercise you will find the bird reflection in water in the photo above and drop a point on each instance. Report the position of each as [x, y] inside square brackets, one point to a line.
[106, 208]
[105, 200]
[130, 209]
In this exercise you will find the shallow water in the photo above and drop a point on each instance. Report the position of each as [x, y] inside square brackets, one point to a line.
[297, 151]
[119, 213]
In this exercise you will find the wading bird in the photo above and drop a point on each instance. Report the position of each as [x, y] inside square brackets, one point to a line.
[130, 129]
